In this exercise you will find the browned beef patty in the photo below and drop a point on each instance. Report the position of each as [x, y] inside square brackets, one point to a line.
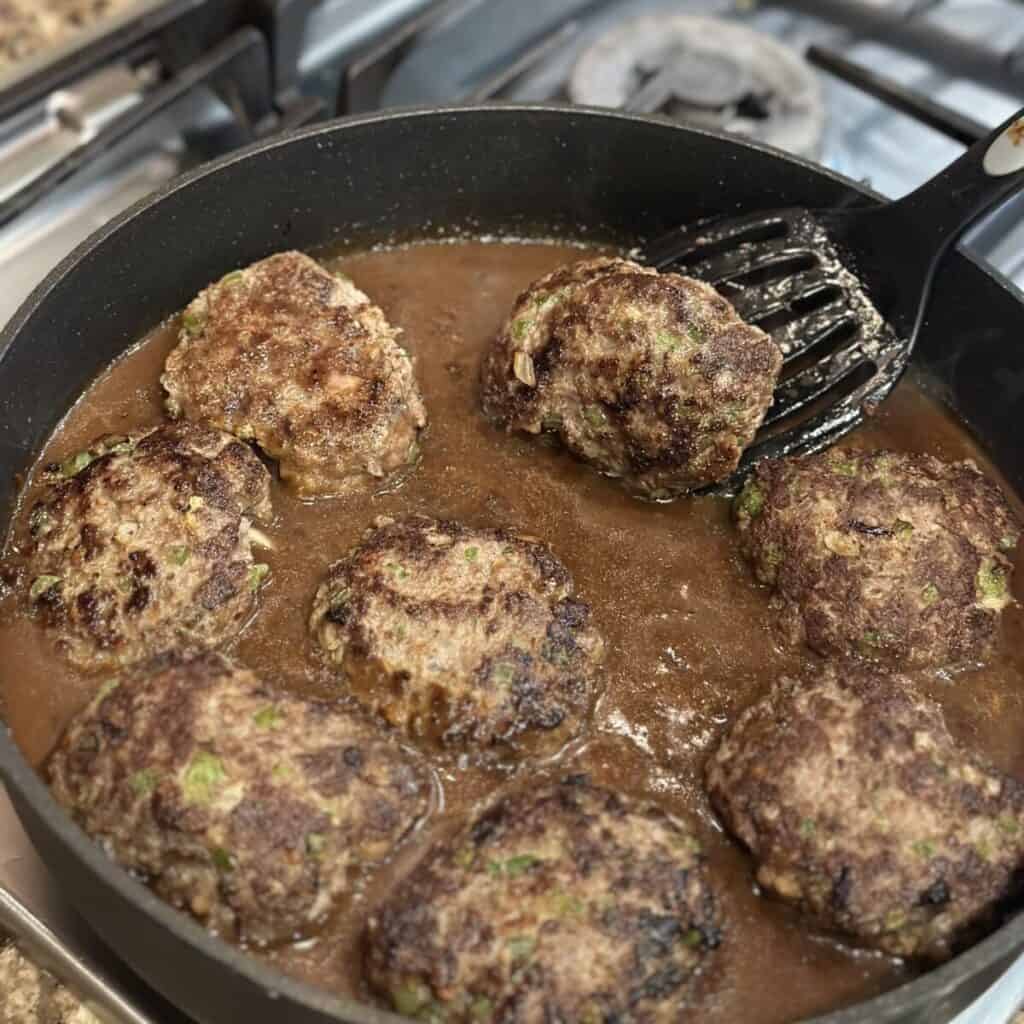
[859, 808]
[253, 810]
[652, 378]
[570, 903]
[884, 555]
[462, 636]
[143, 544]
[300, 361]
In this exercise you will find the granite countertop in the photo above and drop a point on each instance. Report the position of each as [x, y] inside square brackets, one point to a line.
[29, 995]
[28, 27]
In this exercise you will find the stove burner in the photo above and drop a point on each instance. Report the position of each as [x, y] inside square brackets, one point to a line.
[708, 72]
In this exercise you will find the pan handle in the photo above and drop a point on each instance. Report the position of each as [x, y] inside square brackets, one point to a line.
[900, 244]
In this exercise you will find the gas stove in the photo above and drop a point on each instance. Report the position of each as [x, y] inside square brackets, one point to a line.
[884, 91]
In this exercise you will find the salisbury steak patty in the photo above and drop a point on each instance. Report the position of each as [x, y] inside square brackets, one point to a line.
[649, 377]
[886, 555]
[859, 807]
[143, 543]
[567, 904]
[301, 362]
[462, 636]
[248, 808]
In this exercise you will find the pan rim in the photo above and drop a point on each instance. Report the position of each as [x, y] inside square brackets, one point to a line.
[18, 775]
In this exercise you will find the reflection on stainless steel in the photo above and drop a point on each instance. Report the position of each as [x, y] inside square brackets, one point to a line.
[67, 120]
[32, 910]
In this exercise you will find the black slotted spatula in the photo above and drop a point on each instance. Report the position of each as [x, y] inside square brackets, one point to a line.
[843, 292]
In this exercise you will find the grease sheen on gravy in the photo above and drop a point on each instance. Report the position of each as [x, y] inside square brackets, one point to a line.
[688, 638]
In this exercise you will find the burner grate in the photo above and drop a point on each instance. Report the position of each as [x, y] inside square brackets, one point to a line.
[707, 72]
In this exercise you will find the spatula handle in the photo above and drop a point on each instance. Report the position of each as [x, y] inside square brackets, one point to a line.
[989, 172]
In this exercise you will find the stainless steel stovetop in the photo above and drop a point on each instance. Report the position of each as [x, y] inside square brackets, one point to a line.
[354, 55]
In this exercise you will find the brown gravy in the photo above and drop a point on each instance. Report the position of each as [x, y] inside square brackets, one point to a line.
[688, 640]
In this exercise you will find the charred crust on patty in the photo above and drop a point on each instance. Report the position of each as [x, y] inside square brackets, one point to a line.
[652, 378]
[255, 811]
[886, 556]
[142, 544]
[298, 360]
[860, 808]
[463, 637]
[491, 923]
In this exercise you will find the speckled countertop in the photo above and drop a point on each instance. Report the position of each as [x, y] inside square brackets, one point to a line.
[28, 27]
[29, 995]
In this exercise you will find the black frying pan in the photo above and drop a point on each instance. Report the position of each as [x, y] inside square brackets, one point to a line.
[524, 170]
